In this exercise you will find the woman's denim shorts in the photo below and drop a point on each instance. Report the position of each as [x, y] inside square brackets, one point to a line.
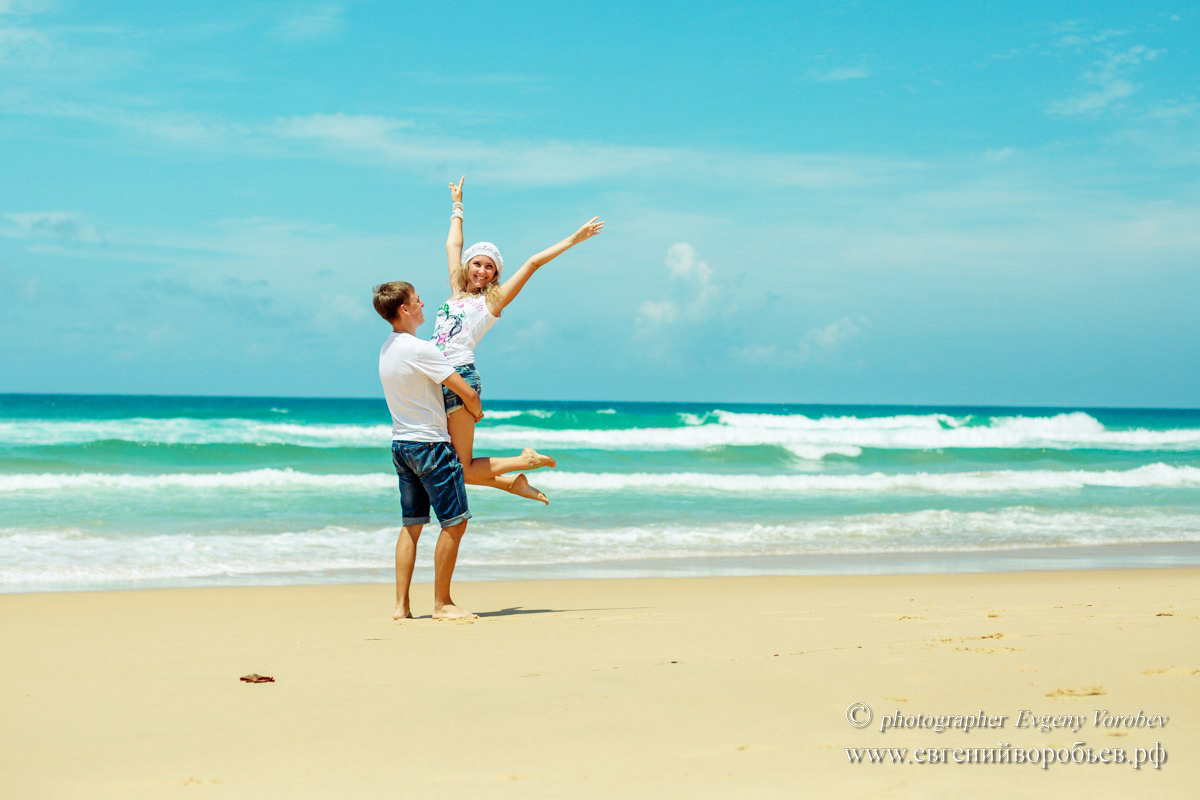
[471, 376]
[429, 473]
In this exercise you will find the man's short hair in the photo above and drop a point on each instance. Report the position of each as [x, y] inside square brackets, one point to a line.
[390, 296]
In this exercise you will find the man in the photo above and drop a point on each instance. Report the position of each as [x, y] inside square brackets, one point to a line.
[412, 371]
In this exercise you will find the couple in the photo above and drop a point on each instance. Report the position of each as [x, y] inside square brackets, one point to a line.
[432, 391]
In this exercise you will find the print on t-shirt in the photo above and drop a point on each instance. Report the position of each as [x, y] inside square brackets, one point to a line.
[449, 324]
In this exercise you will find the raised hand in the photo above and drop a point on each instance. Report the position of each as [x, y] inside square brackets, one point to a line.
[456, 190]
[588, 229]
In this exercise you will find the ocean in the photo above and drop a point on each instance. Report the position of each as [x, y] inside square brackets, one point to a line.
[103, 492]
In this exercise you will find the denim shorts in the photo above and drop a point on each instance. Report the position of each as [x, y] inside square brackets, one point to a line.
[471, 376]
[430, 473]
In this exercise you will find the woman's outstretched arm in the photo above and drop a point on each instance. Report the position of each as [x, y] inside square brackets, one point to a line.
[454, 239]
[513, 286]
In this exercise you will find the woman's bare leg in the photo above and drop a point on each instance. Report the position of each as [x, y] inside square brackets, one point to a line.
[490, 471]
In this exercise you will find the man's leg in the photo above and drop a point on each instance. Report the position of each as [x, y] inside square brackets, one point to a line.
[445, 555]
[406, 557]
[414, 504]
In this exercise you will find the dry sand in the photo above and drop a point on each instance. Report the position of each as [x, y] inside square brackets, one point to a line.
[719, 687]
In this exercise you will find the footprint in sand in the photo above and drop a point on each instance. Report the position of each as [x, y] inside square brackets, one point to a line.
[1171, 671]
[1091, 691]
[997, 635]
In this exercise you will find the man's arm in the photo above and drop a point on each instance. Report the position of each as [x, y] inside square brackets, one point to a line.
[455, 383]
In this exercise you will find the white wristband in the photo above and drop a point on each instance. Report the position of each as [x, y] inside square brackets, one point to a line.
[456, 214]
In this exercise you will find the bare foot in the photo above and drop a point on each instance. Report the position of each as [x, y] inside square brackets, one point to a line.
[536, 460]
[402, 612]
[521, 488]
[451, 611]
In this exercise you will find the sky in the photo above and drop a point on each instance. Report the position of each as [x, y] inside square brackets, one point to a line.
[816, 202]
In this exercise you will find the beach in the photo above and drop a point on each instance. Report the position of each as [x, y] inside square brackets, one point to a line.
[709, 687]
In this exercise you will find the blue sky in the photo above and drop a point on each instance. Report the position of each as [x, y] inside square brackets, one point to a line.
[806, 202]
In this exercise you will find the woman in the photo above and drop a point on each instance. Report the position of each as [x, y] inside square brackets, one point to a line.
[476, 302]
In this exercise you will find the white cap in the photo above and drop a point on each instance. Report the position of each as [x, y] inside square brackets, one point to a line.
[483, 249]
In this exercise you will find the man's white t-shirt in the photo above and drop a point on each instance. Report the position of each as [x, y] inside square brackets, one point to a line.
[411, 371]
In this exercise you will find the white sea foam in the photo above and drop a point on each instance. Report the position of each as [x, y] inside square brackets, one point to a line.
[187, 430]
[807, 437]
[927, 422]
[274, 479]
[813, 438]
[79, 559]
[1163, 476]
[1149, 476]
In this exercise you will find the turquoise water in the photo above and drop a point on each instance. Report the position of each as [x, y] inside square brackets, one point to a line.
[116, 491]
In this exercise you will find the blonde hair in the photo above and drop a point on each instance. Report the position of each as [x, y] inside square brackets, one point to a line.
[490, 290]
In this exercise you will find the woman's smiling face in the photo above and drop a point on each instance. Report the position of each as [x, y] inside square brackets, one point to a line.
[480, 272]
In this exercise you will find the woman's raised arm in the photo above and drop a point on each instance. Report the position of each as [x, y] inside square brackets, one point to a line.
[513, 286]
[454, 239]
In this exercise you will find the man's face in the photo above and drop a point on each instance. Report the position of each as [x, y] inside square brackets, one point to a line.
[415, 309]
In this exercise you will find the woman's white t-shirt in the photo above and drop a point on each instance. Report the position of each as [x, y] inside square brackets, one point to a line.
[461, 323]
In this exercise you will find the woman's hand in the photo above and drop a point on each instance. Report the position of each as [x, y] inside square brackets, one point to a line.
[587, 230]
[456, 190]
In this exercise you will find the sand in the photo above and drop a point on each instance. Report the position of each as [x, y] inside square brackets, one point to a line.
[716, 687]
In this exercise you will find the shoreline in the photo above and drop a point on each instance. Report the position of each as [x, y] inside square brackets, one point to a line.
[699, 687]
[1155, 555]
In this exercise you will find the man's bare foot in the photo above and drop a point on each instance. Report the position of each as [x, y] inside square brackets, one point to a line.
[521, 488]
[402, 612]
[535, 460]
[451, 611]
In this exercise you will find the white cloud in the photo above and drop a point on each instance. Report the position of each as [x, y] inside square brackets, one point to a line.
[313, 23]
[683, 264]
[23, 46]
[398, 143]
[1173, 109]
[818, 344]
[339, 309]
[831, 336]
[1108, 80]
[354, 132]
[526, 339]
[1075, 39]
[19, 8]
[193, 131]
[840, 74]
[64, 226]
[690, 304]
[653, 312]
